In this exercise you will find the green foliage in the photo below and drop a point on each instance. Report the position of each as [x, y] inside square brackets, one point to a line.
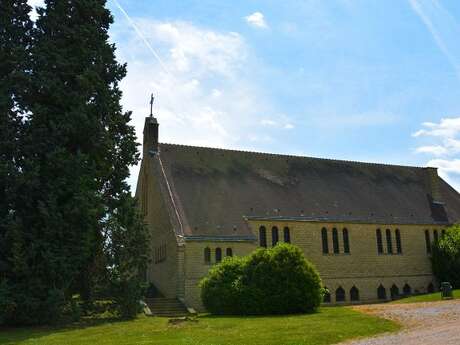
[68, 222]
[446, 257]
[221, 288]
[270, 281]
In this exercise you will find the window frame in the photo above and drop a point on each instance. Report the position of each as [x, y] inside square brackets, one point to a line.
[218, 254]
[398, 241]
[275, 236]
[346, 241]
[263, 236]
[335, 241]
[325, 241]
[287, 235]
[389, 240]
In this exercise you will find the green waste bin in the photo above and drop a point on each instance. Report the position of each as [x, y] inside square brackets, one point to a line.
[446, 290]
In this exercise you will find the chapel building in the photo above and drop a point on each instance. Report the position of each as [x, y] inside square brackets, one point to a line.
[368, 228]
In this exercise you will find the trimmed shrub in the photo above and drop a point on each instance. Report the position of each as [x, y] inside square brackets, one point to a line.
[270, 281]
[221, 288]
[445, 257]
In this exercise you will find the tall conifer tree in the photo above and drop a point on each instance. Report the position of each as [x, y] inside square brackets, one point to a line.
[76, 207]
[15, 30]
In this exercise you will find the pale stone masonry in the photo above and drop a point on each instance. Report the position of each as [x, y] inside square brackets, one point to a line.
[202, 204]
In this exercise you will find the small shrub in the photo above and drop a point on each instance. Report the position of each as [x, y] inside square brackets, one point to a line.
[270, 281]
[445, 257]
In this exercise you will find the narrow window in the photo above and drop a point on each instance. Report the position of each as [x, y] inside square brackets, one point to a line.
[430, 288]
[398, 241]
[381, 292]
[335, 241]
[354, 294]
[327, 295]
[263, 237]
[207, 255]
[229, 252]
[287, 235]
[389, 242]
[378, 234]
[340, 294]
[407, 290]
[394, 291]
[218, 255]
[346, 241]
[325, 241]
[427, 241]
[436, 236]
[275, 236]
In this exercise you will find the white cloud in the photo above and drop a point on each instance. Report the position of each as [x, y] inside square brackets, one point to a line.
[444, 144]
[257, 20]
[282, 122]
[204, 96]
[434, 150]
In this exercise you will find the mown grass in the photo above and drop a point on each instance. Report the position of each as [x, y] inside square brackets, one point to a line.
[432, 297]
[328, 326]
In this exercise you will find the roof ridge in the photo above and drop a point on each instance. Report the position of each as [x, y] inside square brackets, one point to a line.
[295, 156]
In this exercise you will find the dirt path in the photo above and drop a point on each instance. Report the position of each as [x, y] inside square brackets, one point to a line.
[434, 323]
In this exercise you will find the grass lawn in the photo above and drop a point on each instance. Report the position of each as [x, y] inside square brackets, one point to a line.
[328, 326]
[432, 297]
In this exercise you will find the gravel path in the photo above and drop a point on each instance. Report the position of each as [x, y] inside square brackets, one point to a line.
[434, 323]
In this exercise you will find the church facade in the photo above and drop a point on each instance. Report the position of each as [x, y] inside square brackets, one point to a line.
[368, 228]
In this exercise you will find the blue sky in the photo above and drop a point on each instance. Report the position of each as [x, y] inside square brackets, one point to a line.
[368, 80]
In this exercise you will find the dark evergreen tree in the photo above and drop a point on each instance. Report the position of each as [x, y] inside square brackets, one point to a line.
[15, 29]
[77, 214]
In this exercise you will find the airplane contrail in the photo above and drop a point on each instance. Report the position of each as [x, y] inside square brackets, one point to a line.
[438, 32]
[142, 37]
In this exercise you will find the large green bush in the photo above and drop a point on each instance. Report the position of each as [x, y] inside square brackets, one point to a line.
[446, 257]
[270, 281]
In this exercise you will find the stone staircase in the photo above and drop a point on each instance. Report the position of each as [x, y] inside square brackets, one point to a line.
[168, 307]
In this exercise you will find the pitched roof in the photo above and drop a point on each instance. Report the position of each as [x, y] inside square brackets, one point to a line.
[213, 190]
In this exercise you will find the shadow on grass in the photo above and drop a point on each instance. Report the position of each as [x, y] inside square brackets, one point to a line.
[256, 316]
[13, 335]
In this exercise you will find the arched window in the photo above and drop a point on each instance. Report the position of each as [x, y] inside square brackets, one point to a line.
[229, 252]
[398, 241]
[327, 295]
[394, 291]
[263, 237]
[389, 242]
[354, 294]
[430, 288]
[218, 255]
[436, 236]
[335, 241]
[378, 234]
[340, 295]
[407, 290]
[427, 241]
[346, 241]
[325, 241]
[275, 236]
[207, 255]
[381, 292]
[287, 235]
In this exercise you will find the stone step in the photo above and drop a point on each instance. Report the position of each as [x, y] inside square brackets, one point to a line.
[170, 307]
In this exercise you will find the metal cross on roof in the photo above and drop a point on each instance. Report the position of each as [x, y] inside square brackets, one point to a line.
[151, 104]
